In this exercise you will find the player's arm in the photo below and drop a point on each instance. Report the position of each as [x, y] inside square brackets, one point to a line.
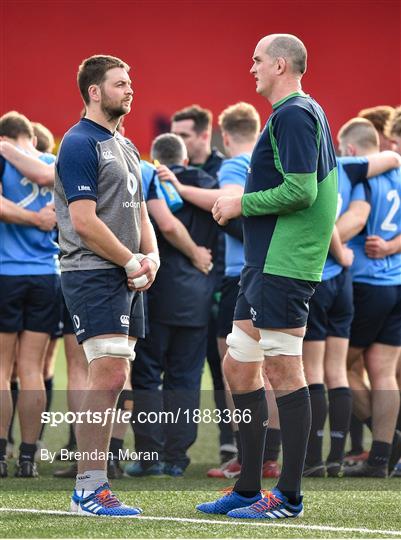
[178, 236]
[353, 220]
[148, 247]
[382, 161]
[202, 197]
[343, 254]
[378, 248]
[10, 212]
[36, 170]
[95, 234]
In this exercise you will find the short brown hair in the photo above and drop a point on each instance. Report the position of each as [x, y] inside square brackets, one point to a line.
[13, 125]
[93, 71]
[379, 116]
[241, 121]
[359, 131]
[44, 137]
[202, 117]
[393, 125]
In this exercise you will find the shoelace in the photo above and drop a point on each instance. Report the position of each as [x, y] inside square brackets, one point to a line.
[268, 502]
[107, 499]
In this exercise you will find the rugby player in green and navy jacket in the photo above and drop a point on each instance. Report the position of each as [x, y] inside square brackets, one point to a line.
[289, 208]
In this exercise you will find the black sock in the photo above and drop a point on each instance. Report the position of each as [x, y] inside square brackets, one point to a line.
[319, 414]
[239, 446]
[252, 435]
[368, 422]
[272, 445]
[3, 448]
[14, 387]
[340, 408]
[27, 452]
[398, 426]
[295, 421]
[72, 441]
[49, 399]
[356, 434]
[379, 453]
[116, 445]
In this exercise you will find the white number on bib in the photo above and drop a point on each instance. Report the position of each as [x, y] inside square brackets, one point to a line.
[387, 225]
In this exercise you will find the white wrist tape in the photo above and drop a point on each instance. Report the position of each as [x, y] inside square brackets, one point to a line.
[133, 265]
[155, 258]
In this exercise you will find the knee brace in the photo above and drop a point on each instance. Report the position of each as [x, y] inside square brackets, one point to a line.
[117, 347]
[275, 343]
[242, 347]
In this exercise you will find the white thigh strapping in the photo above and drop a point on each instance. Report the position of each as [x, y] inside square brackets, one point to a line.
[275, 343]
[117, 347]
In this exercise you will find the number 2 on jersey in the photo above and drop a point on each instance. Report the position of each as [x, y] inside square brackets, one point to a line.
[387, 224]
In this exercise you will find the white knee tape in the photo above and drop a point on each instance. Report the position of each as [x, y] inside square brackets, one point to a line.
[276, 343]
[117, 347]
[131, 345]
[242, 347]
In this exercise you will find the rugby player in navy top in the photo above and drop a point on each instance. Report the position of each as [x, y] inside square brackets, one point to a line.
[376, 328]
[29, 282]
[109, 255]
[289, 209]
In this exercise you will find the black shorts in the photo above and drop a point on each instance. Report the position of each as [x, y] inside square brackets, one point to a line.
[331, 309]
[228, 299]
[100, 302]
[29, 303]
[273, 301]
[377, 316]
[64, 324]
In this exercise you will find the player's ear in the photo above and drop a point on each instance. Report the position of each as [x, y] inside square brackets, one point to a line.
[94, 93]
[281, 65]
[186, 162]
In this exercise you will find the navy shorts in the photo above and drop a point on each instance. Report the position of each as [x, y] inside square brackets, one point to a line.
[273, 301]
[100, 302]
[64, 324]
[229, 295]
[331, 309]
[29, 303]
[377, 316]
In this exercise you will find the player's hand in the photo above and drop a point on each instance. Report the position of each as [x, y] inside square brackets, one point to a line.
[376, 247]
[226, 208]
[148, 269]
[165, 175]
[347, 257]
[46, 218]
[202, 259]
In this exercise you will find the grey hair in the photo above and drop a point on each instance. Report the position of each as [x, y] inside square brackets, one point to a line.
[291, 48]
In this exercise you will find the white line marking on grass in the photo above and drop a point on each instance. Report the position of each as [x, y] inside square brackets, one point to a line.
[245, 523]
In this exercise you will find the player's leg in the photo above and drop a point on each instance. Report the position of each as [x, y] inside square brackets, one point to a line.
[339, 393]
[313, 350]
[103, 318]
[11, 322]
[182, 379]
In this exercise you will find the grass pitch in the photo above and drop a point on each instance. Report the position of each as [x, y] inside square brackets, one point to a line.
[334, 508]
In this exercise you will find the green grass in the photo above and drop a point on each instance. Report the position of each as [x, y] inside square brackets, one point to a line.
[368, 504]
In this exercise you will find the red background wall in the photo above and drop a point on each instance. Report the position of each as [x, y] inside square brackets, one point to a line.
[184, 52]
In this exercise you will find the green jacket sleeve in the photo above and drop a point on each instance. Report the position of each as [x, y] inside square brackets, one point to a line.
[297, 192]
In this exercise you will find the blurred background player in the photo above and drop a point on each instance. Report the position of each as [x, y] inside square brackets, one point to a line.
[194, 125]
[376, 327]
[30, 283]
[173, 353]
[330, 316]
